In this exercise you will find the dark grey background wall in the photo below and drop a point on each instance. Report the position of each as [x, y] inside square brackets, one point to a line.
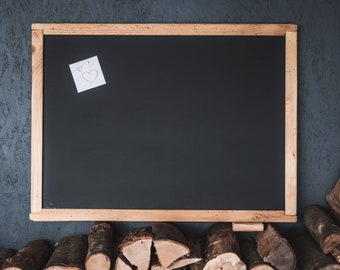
[319, 89]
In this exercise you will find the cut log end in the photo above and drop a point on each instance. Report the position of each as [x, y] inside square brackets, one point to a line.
[169, 242]
[98, 261]
[183, 262]
[262, 267]
[169, 251]
[135, 248]
[226, 261]
[121, 265]
[139, 253]
[275, 249]
[282, 256]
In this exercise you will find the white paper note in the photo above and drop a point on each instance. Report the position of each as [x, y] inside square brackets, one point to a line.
[87, 74]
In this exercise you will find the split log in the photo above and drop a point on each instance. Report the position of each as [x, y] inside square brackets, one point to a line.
[100, 242]
[194, 258]
[308, 253]
[333, 198]
[322, 227]
[120, 262]
[275, 249]
[33, 256]
[5, 253]
[69, 253]
[252, 258]
[169, 242]
[156, 265]
[221, 249]
[154, 262]
[136, 248]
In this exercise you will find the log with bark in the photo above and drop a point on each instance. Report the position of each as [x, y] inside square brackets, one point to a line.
[336, 254]
[333, 198]
[33, 256]
[322, 227]
[252, 258]
[5, 253]
[275, 249]
[135, 249]
[169, 242]
[100, 242]
[69, 254]
[222, 249]
[194, 258]
[308, 253]
[120, 262]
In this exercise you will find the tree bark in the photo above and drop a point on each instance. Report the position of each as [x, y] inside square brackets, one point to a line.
[5, 253]
[322, 227]
[100, 242]
[252, 258]
[275, 249]
[333, 198]
[169, 242]
[336, 254]
[119, 261]
[308, 253]
[33, 256]
[222, 249]
[136, 247]
[69, 253]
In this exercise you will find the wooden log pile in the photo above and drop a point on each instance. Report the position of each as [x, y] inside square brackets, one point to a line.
[163, 246]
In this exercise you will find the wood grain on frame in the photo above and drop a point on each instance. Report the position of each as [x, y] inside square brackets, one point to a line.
[37, 121]
[291, 124]
[248, 216]
[167, 29]
[237, 216]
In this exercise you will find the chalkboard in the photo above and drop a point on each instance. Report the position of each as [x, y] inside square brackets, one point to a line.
[193, 123]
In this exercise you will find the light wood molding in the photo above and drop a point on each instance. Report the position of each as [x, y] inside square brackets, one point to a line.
[291, 124]
[166, 29]
[133, 215]
[37, 121]
[243, 219]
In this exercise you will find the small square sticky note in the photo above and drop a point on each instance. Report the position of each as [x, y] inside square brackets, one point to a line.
[87, 74]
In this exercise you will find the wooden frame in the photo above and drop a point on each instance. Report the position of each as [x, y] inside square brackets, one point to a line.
[250, 218]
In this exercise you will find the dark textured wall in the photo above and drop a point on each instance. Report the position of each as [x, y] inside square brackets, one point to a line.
[319, 89]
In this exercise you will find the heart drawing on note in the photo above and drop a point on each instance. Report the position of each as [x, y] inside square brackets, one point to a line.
[90, 76]
[87, 74]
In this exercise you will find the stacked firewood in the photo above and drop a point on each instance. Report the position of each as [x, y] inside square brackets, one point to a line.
[317, 244]
[163, 246]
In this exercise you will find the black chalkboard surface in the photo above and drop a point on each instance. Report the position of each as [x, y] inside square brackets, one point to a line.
[184, 122]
